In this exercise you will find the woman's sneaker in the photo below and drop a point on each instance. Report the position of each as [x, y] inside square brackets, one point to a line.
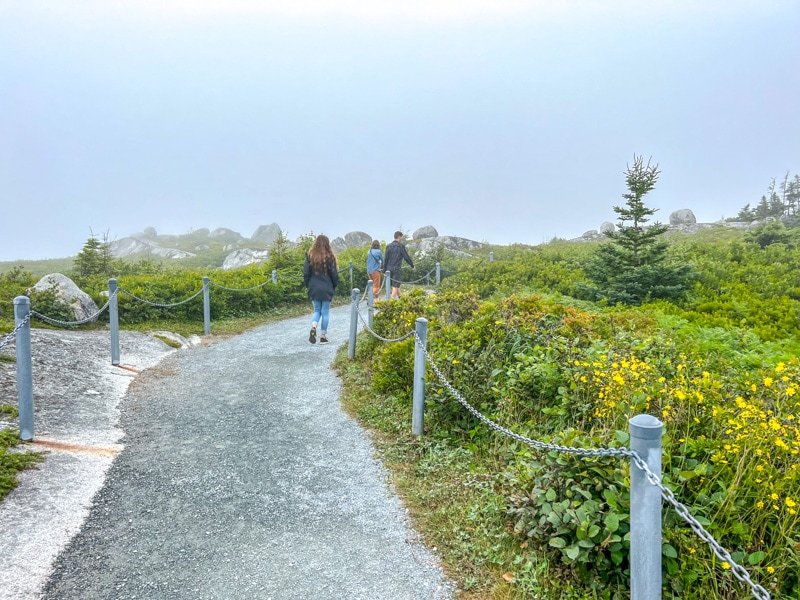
[323, 339]
[312, 337]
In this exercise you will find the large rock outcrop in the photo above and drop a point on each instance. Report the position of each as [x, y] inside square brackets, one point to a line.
[682, 218]
[266, 234]
[130, 246]
[428, 231]
[244, 257]
[454, 245]
[79, 302]
[354, 239]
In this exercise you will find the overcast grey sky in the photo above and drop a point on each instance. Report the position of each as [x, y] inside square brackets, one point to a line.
[497, 120]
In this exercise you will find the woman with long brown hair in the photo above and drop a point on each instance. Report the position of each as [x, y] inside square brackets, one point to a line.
[321, 276]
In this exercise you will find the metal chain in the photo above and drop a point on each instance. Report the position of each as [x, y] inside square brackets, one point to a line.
[255, 287]
[14, 331]
[381, 338]
[738, 571]
[428, 274]
[161, 305]
[61, 323]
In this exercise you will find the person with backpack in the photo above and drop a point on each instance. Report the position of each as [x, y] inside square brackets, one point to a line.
[374, 264]
[320, 276]
[396, 253]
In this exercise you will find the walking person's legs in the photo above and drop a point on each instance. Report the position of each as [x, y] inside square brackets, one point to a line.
[325, 310]
[315, 318]
[376, 283]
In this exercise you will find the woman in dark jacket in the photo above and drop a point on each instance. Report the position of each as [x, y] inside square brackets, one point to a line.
[321, 276]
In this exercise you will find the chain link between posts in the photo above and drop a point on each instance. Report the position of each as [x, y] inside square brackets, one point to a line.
[14, 331]
[721, 553]
[61, 323]
[160, 305]
[255, 287]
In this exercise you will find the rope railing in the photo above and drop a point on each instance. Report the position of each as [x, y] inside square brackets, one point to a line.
[738, 571]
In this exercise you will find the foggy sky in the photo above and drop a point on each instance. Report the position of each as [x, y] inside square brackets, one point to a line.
[503, 121]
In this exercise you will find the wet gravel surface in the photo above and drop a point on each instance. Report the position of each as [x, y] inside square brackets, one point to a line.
[241, 477]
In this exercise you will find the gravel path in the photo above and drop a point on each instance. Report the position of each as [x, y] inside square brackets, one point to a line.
[241, 477]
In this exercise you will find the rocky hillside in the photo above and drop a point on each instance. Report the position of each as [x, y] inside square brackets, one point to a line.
[228, 249]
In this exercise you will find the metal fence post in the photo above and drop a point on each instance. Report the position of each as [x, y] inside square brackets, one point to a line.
[22, 312]
[418, 405]
[438, 273]
[370, 303]
[645, 511]
[388, 277]
[206, 308]
[274, 276]
[351, 347]
[351, 273]
[113, 320]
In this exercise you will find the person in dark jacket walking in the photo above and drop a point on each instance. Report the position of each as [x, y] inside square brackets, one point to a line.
[396, 253]
[321, 276]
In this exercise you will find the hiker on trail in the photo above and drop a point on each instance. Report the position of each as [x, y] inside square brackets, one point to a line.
[396, 253]
[374, 264]
[321, 276]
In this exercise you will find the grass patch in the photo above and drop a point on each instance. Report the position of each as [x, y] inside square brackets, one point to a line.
[11, 463]
[168, 341]
[455, 498]
[9, 410]
[7, 358]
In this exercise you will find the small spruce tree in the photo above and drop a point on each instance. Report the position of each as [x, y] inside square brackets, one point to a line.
[634, 266]
[91, 259]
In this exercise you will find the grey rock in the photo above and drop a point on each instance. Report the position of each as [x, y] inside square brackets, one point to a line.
[428, 231]
[134, 245]
[454, 245]
[682, 217]
[354, 239]
[79, 302]
[591, 234]
[244, 257]
[607, 226]
[150, 232]
[266, 234]
[223, 234]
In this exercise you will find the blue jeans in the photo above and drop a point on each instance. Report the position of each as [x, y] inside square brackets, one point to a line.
[322, 309]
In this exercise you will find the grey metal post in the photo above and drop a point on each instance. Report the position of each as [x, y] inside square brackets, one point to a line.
[113, 320]
[491, 256]
[351, 346]
[645, 511]
[351, 273]
[418, 404]
[370, 303]
[22, 311]
[274, 276]
[206, 307]
[438, 273]
[388, 277]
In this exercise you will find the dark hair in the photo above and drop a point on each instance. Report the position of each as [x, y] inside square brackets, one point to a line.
[320, 253]
[376, 244]
[398, 234]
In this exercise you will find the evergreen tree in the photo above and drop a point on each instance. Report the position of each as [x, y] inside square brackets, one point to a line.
[90, 260]
[634, 265]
